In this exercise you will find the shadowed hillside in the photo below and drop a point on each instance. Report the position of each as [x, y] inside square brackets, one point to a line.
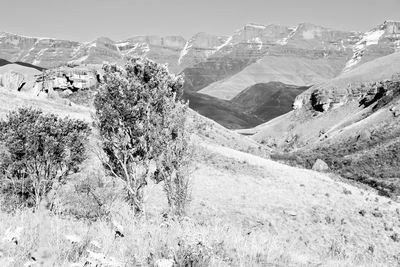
[224, 112]
[268, 100]
[4, 62]
[255, 105]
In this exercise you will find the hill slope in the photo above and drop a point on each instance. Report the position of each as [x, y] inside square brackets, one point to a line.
[351, 122]
[268, 100]
[255, 211]
[224, 112]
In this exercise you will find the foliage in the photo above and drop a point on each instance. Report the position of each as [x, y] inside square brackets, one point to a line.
[39, 152]
[141, 120]
[192, 253]
[88, 197]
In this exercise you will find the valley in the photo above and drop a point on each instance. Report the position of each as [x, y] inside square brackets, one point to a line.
[265, 104]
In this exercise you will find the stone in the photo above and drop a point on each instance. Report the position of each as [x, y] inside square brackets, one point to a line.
[395, 111]
[66, 80]
[12, 80]
[320, 166]
[364, 135]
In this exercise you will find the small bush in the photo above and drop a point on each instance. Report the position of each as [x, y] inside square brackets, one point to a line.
[39, 152]
[192, 253]
[89, 197]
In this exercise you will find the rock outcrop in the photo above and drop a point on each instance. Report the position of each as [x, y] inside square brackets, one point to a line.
[351, 85]
[12, 80]
[320, 166]
[66, 80]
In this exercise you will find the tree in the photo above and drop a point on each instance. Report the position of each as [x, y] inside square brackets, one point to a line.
[140, 116]
[38, 151]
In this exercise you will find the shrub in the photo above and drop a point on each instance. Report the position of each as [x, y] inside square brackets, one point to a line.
[192, 253]
[39, 152]
[141, 119]
[90, 196]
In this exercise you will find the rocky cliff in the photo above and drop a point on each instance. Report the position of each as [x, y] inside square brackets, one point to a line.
[302, 56]
[50, 53]
[380, 41]
[349, 85]
[66, 80]
[223, 66]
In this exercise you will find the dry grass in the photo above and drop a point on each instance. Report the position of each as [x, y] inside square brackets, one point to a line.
[245, 211]
[48, 239]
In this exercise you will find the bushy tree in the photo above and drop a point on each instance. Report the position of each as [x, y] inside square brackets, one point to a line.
[37, 152]
[141, 119]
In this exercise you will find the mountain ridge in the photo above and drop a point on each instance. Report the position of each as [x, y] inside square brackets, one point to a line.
[255, 35]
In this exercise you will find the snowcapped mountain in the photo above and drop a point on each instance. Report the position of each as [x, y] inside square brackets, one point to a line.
[302, 56]
[380, 41]
[305, 55]
[48, 52]
[223, 66]
[200, 47]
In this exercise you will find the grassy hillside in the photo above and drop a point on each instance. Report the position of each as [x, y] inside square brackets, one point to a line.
[224, 112]
[245, 211]
[254, 106]
[366, 150]
[289, 70]
[268, 100]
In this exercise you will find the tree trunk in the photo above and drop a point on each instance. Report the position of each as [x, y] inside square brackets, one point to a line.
[136, 201]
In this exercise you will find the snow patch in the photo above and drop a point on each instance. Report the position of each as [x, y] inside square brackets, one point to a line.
[257, 41]
[227, 42]
[369, 38]
[184, 52]
[76, 50]
[79, 60]
[284, 41]
[38, 55]
[372, 38]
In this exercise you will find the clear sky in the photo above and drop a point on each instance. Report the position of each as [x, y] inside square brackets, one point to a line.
[84, 20]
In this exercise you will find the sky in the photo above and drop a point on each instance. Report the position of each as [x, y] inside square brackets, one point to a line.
[85, 20]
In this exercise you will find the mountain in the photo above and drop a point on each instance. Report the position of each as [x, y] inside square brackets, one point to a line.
[303, 56]
[243, 48]
[380, 41]
[351, 122]
[233, 68]
[339, 98]
[49, 52]
[308, 55]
